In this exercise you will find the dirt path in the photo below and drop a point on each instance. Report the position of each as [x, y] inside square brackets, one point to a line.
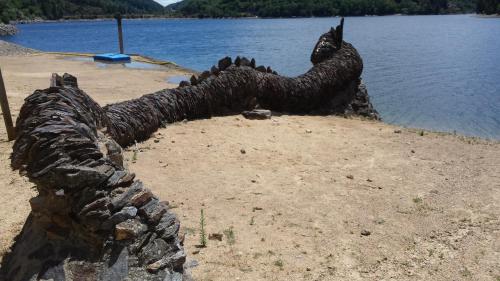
[294, 195]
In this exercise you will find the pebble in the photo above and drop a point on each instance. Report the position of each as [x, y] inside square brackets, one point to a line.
[243, 151]
[215, 236]
[365, 232]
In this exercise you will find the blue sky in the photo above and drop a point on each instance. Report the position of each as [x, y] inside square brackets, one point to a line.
[166, 2]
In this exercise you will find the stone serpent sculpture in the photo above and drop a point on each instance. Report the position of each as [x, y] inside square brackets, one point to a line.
[92, 220]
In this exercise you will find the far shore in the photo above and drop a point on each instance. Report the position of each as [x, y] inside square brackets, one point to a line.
[152, 17]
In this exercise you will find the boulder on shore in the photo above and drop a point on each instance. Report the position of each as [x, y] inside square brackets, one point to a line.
[7, 29]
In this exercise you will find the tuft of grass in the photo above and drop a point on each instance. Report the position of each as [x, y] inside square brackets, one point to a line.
[279, 263]
[203, 234]
[417, 200]
[231, 238]
[421, 133]
[189, 231]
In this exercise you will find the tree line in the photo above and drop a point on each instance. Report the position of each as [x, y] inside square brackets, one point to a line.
[87, 9]
[318, 8]
[60, 9]
[488, 7]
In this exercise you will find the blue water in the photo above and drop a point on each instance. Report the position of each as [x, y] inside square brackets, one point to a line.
[434, 72]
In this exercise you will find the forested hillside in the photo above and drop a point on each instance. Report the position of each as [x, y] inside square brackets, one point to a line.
[307, 8]
[57, 9]
[488, 7]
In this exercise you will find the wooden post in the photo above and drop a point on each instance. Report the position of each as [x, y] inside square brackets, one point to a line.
[6, 110]
[120, 32]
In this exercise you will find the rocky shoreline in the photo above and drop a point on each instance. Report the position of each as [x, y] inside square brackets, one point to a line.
[10, 49]
[8, 29]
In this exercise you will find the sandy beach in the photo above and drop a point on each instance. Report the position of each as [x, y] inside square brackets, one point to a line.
[295, 197]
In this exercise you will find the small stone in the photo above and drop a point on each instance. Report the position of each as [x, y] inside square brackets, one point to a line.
[191, 264]
[195, 252]
[175, 261]
[351, 177]
[397, 131]
[309, 131]
[156, 140]
[257, 114]
[184, 84]
[261, 68]
[224, 63]
[153, 210]
[214, 70]
[121, 216]
[141, 198]
[365, 232]
[129, 229]
[243, 151]
[215, 236]
[412, 151]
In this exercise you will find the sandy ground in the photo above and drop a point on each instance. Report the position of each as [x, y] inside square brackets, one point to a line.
[294, 195]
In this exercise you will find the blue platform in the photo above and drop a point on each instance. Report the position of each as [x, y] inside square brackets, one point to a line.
[112, 57]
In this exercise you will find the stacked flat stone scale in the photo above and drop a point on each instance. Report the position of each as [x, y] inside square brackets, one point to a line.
[92, 220]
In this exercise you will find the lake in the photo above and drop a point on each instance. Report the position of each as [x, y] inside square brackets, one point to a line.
[433, 72]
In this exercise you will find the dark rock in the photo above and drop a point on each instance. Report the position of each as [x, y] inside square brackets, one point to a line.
[194, 80]
[215, 236]
[121, 216]
[129, 229]
[153, 211]
[153, 251]
[114, 152]
[141, 198]
[259, 114]
[365, 232]
[177, 260]
[225, 63]
[252, 63]
[261, 68]
[55, 273]
[204, 75]
[120, 200]
[118, 269]
[245, 62]
[214, 70]
[184, 84]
